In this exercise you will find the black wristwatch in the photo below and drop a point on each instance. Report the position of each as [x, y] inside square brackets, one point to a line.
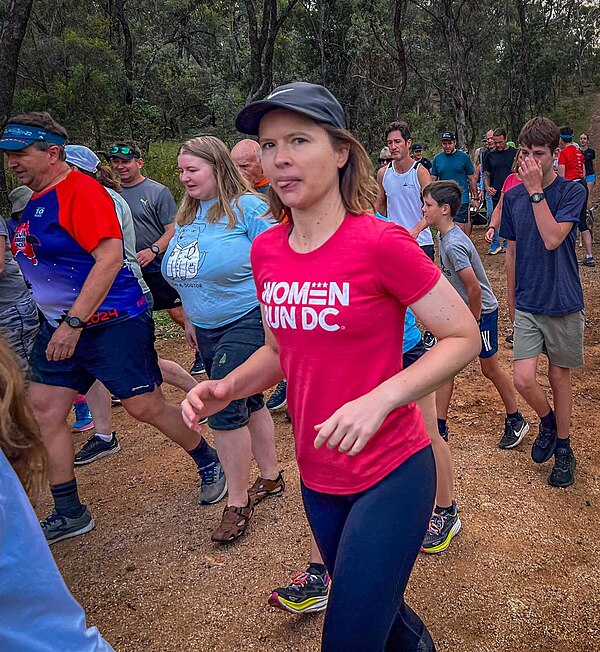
[155, 250]
[73, 322]
[537, 197]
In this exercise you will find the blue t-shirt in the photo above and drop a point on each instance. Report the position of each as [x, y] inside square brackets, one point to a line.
[546, 282]
[37, 612]
[209, 264]
[456, 167]
[412, 335]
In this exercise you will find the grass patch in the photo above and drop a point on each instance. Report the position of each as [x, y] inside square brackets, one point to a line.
[575, 111]
[165, 327]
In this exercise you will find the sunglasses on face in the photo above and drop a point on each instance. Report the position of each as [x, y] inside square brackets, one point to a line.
[116, 149]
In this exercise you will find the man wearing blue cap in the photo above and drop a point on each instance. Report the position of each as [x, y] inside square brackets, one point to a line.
[455, 165]
[69, 246]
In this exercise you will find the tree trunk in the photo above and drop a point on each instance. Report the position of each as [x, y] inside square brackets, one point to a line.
[11, 38]
[262, 44]
[399, 16]
[128, 49]
[458, 64]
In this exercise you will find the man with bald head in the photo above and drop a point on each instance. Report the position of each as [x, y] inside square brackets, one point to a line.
[246, 155]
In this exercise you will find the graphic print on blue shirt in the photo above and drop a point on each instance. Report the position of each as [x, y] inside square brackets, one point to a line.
[52, 245]
[185, 258]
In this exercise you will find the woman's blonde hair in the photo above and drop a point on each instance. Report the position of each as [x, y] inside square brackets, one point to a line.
[231, 183]
[20, 438]
[357, 186]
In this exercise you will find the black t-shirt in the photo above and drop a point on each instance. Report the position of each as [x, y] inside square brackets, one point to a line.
[499, 165]
[589, 154]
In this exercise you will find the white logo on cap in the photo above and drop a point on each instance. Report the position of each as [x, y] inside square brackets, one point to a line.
[285, 90]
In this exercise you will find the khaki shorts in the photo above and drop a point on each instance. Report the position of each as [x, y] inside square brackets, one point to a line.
[560, 338]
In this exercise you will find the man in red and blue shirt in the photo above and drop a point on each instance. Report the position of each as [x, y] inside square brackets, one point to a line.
[96, 323]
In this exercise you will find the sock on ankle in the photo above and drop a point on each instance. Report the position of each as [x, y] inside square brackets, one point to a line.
[203, 454]
[563, 443]
[513, 415]
[316, 569]
[106, 438]
[441, 510]
[442, 425]
[66, 498]
[549, 421]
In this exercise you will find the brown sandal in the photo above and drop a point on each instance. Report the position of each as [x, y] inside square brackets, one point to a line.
[233, 523]
[263, 488]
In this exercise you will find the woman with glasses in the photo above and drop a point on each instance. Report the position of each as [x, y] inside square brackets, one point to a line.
[325, 275]
[208, 263]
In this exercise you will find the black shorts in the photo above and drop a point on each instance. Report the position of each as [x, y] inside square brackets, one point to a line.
[121, 356]
[164, 296]
[583, 225]
[224, 349]
[413, 355]
[462, 217]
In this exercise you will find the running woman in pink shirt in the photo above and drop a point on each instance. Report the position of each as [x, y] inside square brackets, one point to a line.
[334, 283]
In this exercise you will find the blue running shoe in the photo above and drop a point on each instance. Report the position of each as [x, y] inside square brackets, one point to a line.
[83, 417]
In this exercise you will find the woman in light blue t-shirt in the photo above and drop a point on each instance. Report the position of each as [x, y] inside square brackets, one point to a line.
[208, 263]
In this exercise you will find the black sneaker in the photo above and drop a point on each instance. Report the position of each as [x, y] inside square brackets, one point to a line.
[510, 338]
[95, 449]
[544, 445]
[563, 472]
[278, 398]
[444, 434]
[588, 261]
[443, 527]
[307, 593]
[57, 527]
[198, 367]
[514, 431]
[429, 340]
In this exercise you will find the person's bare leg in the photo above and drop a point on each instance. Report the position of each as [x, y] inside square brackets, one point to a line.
[491, 369]
[586, 237]
[262, 438]
[51, 406]
[526, 383]
[315, 553]
[443, 395]
[590, 186]
[234, 450]
[99, 402]
[174, 374]
[176, 314]
[441, 452]
[153, 408]
[560, 381]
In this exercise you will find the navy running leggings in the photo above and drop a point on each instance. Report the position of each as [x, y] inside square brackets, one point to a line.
[369, 542]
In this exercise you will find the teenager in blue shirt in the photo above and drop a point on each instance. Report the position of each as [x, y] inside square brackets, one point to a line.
[539, 220]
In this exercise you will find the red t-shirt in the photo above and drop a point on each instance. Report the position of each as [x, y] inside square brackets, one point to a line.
[511, 181]
[338, 316]
[574, 161]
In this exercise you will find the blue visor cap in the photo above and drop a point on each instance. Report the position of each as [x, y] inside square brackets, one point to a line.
[567, 136]
[16, 136]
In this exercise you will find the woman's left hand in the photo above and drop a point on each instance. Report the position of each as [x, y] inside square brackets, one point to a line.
[350, 428]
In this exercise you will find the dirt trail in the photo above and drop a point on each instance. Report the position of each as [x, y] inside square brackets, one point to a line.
[522, 576]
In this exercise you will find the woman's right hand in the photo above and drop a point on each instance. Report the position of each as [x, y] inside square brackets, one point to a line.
[190, 334]
[208, 397]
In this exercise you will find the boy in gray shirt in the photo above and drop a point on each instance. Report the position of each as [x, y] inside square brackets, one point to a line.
[462, 266]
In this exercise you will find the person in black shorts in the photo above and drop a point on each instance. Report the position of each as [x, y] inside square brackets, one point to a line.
[153, 210]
